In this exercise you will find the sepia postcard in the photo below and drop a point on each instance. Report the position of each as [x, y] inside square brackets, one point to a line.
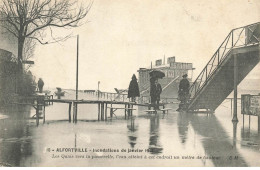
[129, 83]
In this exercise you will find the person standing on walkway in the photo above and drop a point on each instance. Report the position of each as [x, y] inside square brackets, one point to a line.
[133, 90]
[184, 83]
[183, 93]
[152, 90]
[155, 93]
[40, 84]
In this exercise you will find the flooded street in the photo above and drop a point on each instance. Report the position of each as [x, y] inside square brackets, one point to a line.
[98, 83]
[173, 139]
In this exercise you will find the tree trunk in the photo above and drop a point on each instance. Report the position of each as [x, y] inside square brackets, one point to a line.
[20, 66]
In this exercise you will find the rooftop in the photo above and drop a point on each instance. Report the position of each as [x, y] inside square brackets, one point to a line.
[161, 65]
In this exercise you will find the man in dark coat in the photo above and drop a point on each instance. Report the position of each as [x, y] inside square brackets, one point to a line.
[183, 91]
[155, 92]
[152, 90]
[184, 84]
[133, 90]
[40, 84]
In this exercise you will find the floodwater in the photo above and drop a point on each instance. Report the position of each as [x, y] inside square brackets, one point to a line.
[173, 139]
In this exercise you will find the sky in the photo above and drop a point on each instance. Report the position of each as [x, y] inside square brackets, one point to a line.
[124, 35]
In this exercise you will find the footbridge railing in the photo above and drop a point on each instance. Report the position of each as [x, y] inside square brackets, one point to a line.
[239, 37]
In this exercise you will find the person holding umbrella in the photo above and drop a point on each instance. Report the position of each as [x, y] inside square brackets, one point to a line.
[156, 94]
[133, 90]
[155, 87]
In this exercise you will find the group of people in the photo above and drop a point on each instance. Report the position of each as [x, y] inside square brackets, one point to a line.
[156, 90]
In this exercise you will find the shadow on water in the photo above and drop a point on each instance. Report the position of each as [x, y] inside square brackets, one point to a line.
[216, 142]
[154, 143]
[15, 136]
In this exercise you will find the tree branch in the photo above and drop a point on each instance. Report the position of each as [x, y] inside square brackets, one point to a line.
[29, 19]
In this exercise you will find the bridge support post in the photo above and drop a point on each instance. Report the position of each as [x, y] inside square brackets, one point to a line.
[43, 112]
[102, 111]
[163, 109]
[70, 112]
[76, 116]
[235, 133]
[235, 89]
[128, 111]
[106, 111]
[75, 112]
[98, 111]
[258, 124]
[125, 110]
[37, 112]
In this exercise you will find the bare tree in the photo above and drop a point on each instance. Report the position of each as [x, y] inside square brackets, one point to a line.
[30, 19]
[28, 51]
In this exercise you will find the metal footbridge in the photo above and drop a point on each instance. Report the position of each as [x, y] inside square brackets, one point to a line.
[237, 55]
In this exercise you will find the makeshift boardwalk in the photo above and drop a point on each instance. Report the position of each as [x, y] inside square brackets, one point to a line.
[103, 107]
[38, 102]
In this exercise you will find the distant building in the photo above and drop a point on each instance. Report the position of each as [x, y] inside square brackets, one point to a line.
[173, 74]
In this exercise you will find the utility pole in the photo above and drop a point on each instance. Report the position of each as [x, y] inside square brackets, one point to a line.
[77, 68]
[77, 82]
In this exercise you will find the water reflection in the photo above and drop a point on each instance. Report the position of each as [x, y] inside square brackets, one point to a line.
[154, 143]
[15, 136]
[22, 143]
[250, 139]
[132, 127]
[183, 123]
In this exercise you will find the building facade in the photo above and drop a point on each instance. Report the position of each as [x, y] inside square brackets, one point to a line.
[173, 74]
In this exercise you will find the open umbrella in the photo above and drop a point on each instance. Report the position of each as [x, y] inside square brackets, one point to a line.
[157, 74]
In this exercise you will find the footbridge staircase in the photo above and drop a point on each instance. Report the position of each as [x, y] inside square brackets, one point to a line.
[237, 55]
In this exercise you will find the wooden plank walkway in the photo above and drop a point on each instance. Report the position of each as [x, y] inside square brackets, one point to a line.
[40, 102]
[103, 106]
